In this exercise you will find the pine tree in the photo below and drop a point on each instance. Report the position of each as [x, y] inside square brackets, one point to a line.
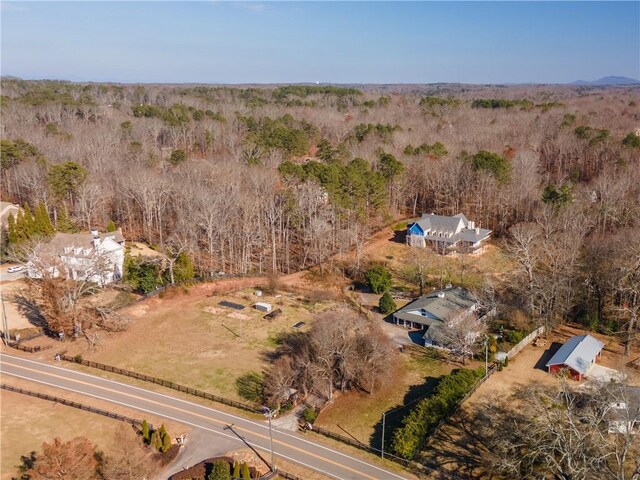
[65, 225]
[111, 226]
[166, 443]
[12, 234]
[29, 222]
[386, 304]
[22, 227]
[220, 471]
[245, 472]
[236, 470]
[155, 441]
[146, 435]
[42, 221]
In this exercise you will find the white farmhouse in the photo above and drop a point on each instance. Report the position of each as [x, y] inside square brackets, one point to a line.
[93, 256]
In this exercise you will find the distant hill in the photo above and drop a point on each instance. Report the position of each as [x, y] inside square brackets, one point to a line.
[608, 81]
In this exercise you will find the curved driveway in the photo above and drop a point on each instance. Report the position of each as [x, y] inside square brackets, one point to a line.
[287, 445]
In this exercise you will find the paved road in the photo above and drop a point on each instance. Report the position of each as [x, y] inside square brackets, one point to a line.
[287, 445]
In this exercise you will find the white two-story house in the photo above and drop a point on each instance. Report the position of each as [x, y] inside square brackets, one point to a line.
[95, 257]
[447, 234]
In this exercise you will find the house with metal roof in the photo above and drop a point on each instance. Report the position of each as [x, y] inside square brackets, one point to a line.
[437, 308]
[577, 356]
[447, 234]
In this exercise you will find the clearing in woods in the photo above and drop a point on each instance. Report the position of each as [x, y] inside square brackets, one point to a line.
[189, 338]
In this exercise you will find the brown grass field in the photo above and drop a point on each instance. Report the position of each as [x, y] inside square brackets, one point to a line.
[197, 342]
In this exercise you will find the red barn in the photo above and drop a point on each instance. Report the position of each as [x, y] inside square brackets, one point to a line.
[577, 355]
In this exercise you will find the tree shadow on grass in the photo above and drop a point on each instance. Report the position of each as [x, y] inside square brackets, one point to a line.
[460, 448]
[30, 310]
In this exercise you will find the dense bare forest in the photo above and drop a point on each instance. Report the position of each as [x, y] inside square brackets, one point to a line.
[278, 178]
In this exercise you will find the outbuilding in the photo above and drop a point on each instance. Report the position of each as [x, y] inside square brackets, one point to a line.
[263, 307]
[577, 356]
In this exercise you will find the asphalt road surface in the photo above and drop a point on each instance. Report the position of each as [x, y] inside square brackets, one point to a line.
[286, 445]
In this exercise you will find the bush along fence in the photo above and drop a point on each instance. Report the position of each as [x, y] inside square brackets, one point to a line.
[69, 403]
[525, 341]
[160, 381]
[430, 413]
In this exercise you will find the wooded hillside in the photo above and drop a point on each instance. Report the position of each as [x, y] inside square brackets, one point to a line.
[279, 178]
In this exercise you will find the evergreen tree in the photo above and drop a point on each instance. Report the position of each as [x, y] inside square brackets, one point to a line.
[111, 226]
[166, 443]
[42, 220]
[220, 471]
[245, 472]
[155, 441]
[236, 470]
[21, 233]
[29, 223]
[12, 234]
[146, 434]
[325, 151]
[65, 225]
[378, 278]
[386, 304]
[183, 268]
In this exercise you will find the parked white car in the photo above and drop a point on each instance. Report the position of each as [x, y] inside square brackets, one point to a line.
[17, 268]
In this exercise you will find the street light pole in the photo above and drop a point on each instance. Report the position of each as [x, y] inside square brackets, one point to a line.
[384, 415]
[486, 355]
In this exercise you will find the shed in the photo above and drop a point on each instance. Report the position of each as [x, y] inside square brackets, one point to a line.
[263, 307]
[577, 355]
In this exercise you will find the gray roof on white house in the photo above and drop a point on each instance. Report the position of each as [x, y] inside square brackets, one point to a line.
[441, 223]
[453, 229]
[437, 307]
[577, 353]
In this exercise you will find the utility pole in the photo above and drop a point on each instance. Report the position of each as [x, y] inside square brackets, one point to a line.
[5, 323]
[486, 356]
[384, 417]
[269, 414]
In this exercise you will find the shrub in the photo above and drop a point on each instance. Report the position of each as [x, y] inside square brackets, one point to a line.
[506, 361]
[177, 157]
[220, 471]
[246, 475]
[378, 278]
[514, 336]
[632, 140]
[144, 430]
[78, 358]
[386, 304]
[309, 414]
[427, 414]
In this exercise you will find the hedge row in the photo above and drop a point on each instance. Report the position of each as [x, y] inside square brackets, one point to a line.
[428, 413]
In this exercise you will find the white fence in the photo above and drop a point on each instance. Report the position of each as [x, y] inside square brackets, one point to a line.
[525, 341]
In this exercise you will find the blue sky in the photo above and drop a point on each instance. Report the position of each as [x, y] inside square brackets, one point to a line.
[356, 42]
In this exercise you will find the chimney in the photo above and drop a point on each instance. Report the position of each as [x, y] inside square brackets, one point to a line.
[94, 232]
[477, 230]
[471, 225]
